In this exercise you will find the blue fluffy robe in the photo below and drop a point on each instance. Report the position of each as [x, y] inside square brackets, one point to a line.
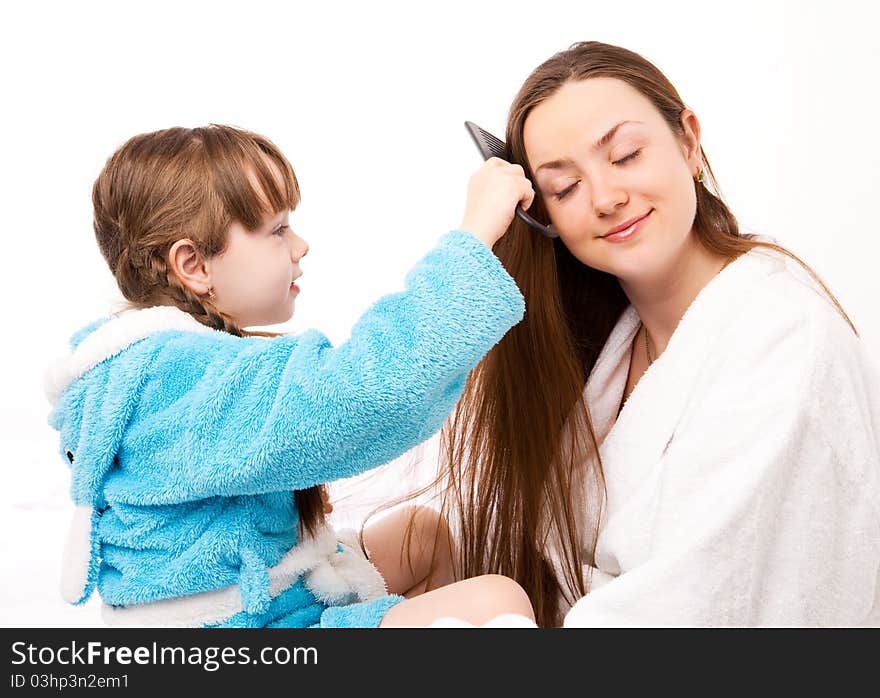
[187, 442]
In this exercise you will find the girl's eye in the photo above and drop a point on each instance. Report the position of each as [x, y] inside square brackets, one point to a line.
[559, 196]
[280, 230]
[631, 156]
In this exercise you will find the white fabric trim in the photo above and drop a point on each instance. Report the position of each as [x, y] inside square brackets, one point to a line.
[330, 575]
[77, 555]
[112, 337]
[505, 620]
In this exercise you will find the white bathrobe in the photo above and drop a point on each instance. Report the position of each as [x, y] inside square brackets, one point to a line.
[743, 473]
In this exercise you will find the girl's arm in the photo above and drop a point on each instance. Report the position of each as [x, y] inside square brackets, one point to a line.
[223, 415]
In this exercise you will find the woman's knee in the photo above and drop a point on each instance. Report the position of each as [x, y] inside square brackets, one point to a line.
[499, 594]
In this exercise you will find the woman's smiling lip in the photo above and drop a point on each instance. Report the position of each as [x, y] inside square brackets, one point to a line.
[626, 230]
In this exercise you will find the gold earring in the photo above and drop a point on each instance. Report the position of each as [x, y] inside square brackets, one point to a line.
[699, 176]
[211, 295]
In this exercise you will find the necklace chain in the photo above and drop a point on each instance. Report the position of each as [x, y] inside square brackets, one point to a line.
[647, 347]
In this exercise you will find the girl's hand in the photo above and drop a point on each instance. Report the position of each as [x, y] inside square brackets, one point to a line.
[493, 193]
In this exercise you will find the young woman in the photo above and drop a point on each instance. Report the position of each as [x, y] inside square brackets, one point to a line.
[684, 429]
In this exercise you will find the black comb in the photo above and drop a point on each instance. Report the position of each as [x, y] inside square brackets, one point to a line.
[492, 147]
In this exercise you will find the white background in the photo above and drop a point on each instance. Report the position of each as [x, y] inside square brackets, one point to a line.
[367, 101]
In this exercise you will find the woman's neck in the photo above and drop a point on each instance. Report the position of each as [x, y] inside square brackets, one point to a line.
[662, 301]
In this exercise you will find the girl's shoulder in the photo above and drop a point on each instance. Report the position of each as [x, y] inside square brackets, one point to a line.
[160, 332]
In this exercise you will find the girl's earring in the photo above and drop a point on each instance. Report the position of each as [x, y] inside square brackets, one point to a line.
[211, 295]
[699, 176]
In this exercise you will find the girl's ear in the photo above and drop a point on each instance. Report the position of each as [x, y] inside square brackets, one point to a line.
[691, 140]
[190, 266]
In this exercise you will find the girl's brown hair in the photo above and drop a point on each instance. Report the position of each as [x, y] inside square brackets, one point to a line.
[177, 183]
[519, 449]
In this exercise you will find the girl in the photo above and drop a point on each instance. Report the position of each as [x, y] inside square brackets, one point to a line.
[198, 449]
[701, 440]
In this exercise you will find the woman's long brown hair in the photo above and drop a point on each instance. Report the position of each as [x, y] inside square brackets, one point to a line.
[177, 183]
[520, 447]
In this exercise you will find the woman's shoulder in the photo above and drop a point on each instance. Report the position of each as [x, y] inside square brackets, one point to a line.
[785, 292]
[784, 306]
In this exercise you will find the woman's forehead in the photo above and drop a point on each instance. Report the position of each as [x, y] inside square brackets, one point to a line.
[584, 110]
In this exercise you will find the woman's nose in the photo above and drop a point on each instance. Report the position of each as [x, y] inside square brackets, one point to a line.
[607, 196]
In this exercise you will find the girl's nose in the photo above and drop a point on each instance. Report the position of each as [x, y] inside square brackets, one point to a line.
[299, 249]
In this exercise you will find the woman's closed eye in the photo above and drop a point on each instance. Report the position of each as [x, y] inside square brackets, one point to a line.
[559, 196]
[632, 156]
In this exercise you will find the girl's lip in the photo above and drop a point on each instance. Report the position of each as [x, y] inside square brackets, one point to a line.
[628, 232]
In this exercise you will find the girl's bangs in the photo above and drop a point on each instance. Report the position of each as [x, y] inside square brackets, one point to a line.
[252, 178]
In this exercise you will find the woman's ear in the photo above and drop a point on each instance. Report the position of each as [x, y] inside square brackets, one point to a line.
[690, 124]
[190, 266]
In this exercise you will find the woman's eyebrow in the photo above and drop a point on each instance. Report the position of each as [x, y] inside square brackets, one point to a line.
[604, 140]
[598, 145]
